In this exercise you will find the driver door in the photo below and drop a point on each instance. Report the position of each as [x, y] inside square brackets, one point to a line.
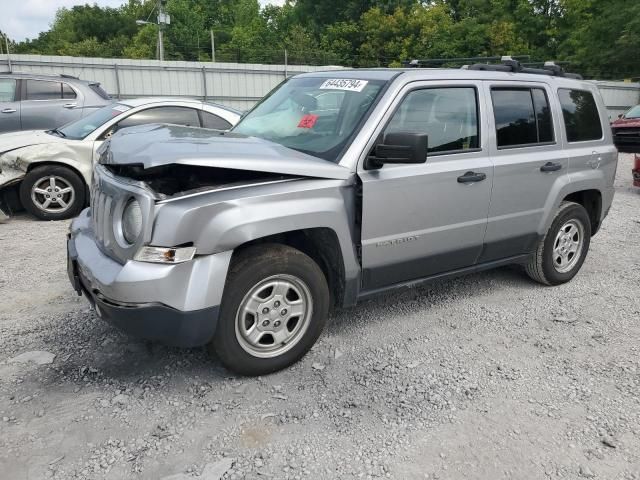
[421, 220]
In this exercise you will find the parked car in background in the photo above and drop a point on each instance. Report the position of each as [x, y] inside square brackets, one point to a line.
[47, 172]
[626, 136]
[336, 187]
[39, 102]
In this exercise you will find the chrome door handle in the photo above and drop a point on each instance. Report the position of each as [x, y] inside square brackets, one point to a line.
[70, 105]
[9, 110]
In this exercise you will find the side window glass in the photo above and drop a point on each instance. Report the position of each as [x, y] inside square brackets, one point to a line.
[176, 115]
[43, 90]
[543, 115]
[449, 116]
[7, 90]
[209, 120]
[67, 91]
[581, 118]
[515, 117]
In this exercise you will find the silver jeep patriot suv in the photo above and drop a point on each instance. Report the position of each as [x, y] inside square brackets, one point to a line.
[338, 186]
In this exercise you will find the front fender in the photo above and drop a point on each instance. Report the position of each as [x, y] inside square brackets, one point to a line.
[223, 221]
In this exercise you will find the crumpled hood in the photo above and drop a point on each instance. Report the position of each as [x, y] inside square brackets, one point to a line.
[12, 140]
[155, 145]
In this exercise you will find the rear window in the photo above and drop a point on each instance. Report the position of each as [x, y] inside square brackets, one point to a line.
[522, 116]
[581, 118]
[7, 90]
[99, 90]
[43, 90]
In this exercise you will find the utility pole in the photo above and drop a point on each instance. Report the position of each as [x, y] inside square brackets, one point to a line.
[213, 46]
[163, 19]
[6, 42]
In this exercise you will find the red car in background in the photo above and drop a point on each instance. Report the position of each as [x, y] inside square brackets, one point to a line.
[626, 136]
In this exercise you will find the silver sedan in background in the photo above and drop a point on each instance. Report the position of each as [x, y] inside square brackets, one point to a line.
[47, 172]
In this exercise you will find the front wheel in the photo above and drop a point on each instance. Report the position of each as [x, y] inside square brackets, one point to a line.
[275, 305]
[561, 253]
[52, 192]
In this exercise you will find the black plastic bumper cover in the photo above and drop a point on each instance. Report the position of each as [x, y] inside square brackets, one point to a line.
[154, 322]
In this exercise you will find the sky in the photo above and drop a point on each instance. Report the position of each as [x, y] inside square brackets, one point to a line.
[27, 18]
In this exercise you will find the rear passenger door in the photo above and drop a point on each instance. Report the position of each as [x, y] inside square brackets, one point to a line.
[529, 163]
[9, 105]
[48, 104]
[420, 220]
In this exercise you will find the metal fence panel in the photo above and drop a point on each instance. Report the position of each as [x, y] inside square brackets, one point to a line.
[237, 85]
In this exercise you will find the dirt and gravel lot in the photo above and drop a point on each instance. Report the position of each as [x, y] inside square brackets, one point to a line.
[486, 377]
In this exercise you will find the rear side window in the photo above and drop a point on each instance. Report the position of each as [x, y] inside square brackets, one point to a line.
[522, 116]
[209, 120]
[176, 115]
[43, 90]
[581, 118]
[67, 91]
[449, 116]
[99, 90]
[7, 90]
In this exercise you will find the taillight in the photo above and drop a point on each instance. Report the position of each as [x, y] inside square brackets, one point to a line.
[636, 162]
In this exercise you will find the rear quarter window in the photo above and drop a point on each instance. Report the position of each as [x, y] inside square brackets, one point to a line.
[581, 117]
[99, 91]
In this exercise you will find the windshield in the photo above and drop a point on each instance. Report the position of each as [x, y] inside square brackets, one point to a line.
[80, 129]
[316, 116]
[633, 113]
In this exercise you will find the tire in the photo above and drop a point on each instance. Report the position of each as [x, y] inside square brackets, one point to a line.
[36, 184]
[551, 266]
[265, 337]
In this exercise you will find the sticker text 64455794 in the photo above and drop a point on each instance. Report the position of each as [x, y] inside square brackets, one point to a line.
[348, 84]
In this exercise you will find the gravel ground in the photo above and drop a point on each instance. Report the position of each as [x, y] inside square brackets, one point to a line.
[490, 376]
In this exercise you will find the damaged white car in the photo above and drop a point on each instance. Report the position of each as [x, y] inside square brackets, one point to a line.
[48, 172]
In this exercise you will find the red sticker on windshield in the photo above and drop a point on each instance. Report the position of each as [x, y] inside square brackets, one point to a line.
[308, 121]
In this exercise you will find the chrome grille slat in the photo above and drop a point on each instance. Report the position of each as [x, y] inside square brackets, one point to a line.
[109, 194]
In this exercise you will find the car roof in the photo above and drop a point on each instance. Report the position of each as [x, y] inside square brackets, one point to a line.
[415, 74]
[47, 76]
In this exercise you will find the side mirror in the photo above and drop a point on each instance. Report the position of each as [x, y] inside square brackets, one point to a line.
[399, 147]
[621, 115]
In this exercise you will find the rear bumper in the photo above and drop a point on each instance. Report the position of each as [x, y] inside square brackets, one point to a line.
[173, 304]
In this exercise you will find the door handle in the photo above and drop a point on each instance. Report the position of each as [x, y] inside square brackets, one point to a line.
[70, 105]
[472, 177]
[550, 167]
[9, 110]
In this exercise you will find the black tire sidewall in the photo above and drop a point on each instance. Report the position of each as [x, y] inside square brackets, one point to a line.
[575, 212]
[53, 170]
[255, 266]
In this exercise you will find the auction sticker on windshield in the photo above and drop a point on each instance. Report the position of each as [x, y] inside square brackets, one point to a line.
[347, 84]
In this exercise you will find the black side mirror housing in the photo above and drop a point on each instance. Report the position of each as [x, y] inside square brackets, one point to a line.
[399, 147]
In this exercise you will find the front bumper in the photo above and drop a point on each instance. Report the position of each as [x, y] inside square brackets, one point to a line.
[173, 304]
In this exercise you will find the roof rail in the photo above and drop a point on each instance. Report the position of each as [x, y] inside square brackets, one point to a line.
[510, 65]
[65, 75]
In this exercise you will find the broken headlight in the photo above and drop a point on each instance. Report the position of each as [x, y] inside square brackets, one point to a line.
[131, 221]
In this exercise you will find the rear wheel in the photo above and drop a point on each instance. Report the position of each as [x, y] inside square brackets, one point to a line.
[52, 192]
[561, 253]
[275, 305]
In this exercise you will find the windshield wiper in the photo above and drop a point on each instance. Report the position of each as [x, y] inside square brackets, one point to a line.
[60, 133]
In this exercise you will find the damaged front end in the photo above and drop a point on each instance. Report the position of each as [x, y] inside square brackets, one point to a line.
[13, 168]
[176, 181]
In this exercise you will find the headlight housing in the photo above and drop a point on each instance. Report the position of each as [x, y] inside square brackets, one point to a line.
[131, 221]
